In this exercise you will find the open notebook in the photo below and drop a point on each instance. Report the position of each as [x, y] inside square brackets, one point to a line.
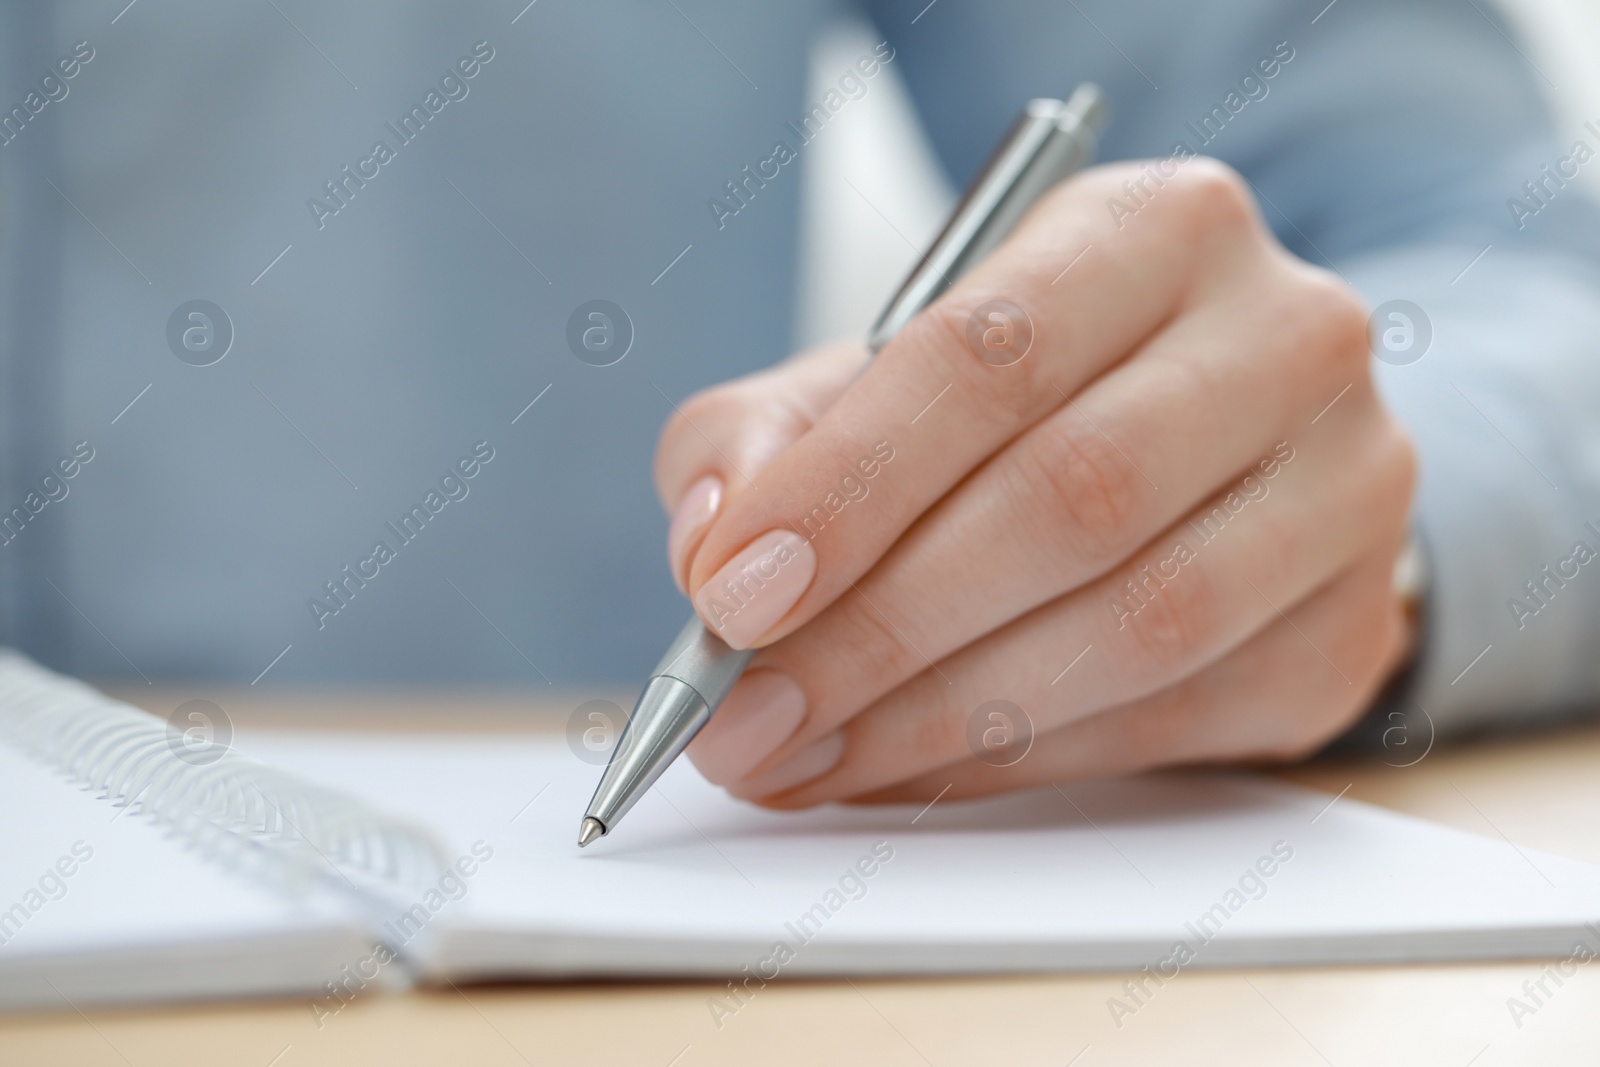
[443, 857]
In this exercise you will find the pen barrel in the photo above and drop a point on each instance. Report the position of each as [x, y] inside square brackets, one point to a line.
[1049, 141]
[684, 689]
[669, 713]
[701, 659]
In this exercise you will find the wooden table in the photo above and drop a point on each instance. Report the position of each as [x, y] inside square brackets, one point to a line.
[1540, 791]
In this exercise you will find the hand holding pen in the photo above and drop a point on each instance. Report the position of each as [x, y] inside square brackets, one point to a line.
[1143, 499]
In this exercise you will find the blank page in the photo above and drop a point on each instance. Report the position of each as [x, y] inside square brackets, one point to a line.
[1235, 869]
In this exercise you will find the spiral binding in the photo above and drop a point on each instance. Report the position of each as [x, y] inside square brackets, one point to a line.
[232, 809]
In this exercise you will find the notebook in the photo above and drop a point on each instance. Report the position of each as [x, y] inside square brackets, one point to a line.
[329, 865]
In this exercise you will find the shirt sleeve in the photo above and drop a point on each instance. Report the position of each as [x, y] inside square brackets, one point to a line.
[1504, 408]
[1407, 146]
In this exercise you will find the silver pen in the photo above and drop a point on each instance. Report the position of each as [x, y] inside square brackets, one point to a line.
[1049, 141]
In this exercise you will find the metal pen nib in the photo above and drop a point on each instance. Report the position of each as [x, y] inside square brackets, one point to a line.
[688, 683]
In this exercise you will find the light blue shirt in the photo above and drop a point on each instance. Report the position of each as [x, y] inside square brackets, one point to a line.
[401, 214]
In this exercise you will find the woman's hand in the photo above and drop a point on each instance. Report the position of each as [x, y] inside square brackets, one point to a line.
[1123, 497]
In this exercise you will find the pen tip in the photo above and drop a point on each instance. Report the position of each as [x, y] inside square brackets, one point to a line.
[591, 829]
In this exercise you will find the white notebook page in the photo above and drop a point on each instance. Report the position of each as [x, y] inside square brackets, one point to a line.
[1238, 868]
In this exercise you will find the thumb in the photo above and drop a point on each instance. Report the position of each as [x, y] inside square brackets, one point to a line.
[718, 441]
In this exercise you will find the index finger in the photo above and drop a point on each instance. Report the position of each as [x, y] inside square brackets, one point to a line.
[943, 396]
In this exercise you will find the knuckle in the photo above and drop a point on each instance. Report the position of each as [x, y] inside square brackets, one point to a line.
[708, 405]
[941, 325]
[1089, 495]
[869, 653]
[1214, 193]
[736, 427]
[943, 736]
[1398, 464]
[1332, 323]
[1174, 621]
[679, 429]
[1008, 393]
[1293, 739]
[1382, 472]
[671, 448]
[696, 435]
[1386, 644]
[1368, 644]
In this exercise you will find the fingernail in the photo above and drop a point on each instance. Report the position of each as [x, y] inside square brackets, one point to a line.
[817, 758]
[760, 713]
[695, 512]
[756, 588]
